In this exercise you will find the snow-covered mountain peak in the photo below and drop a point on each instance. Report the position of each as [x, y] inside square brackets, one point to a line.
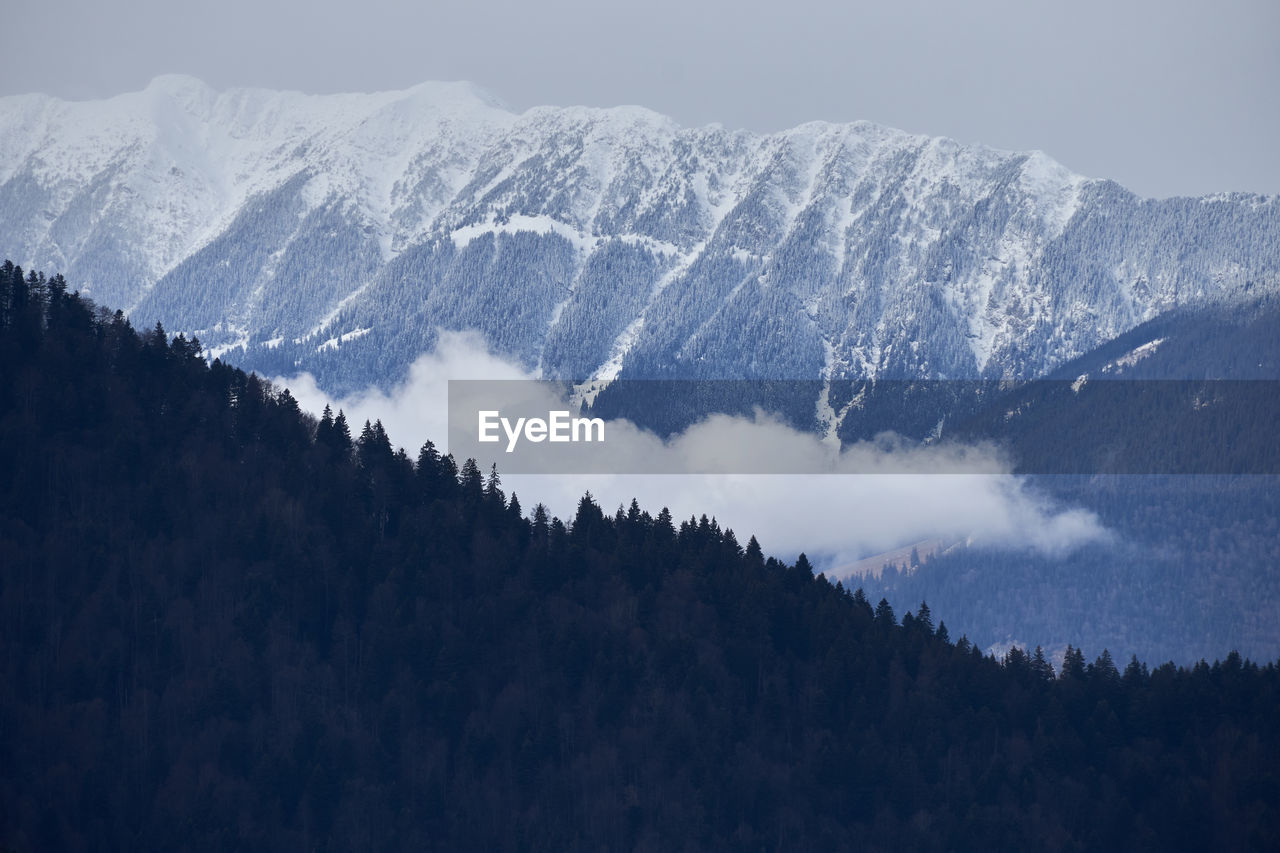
[181, 88]
[587, 240]
[460, 92]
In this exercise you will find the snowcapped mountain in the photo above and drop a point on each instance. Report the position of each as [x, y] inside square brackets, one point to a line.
[339, 233]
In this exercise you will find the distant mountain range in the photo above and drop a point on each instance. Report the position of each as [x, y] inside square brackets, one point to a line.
[339, 233]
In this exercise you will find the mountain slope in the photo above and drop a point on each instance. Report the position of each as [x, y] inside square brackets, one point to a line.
[227, 625]
[338, 233]
[1143, 431]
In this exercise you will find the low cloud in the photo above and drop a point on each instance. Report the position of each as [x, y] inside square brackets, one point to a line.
[841, 517]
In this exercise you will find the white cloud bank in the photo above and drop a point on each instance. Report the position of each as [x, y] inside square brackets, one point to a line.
[839, 517]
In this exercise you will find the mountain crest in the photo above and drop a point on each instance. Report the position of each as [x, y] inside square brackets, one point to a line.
[595, 242]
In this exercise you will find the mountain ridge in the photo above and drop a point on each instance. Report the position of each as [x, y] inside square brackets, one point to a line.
[338, 233]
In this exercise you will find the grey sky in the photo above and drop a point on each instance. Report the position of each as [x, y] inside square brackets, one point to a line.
[1166, 96]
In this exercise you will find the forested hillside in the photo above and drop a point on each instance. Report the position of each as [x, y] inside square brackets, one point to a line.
[1168, 434]
[227, 625]
[1189, 569]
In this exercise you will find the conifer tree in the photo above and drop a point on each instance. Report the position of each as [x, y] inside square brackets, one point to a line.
[1073, 664]
[924, 618]
[884, 614]
[471, 480]
[1040, 665]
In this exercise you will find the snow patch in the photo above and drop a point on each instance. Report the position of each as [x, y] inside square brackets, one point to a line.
[334, 343]
[1134, 356]
[621, 346]
[540, 224]
[828, 420]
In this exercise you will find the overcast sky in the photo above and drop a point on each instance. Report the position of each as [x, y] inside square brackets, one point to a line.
[1166, 96]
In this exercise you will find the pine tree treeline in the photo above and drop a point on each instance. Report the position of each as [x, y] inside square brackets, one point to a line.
[227, 624]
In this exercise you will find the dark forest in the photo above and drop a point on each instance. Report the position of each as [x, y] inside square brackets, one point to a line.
[226, 624]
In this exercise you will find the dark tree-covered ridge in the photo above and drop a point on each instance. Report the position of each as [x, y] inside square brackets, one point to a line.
[225, 624]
